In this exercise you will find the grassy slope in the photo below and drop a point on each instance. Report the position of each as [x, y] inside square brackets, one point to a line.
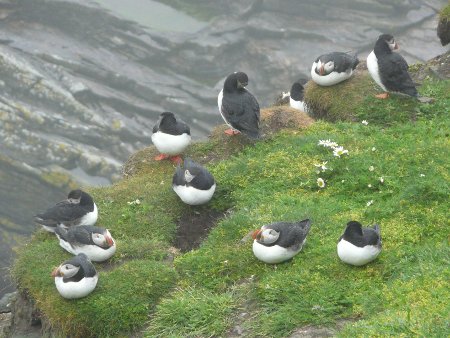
[402, 292]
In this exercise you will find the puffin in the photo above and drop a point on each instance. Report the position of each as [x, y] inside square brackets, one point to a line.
[389, 69]
[95, 242]
[359, 245]
[193, 183]
[76, 277]
[78, 209]
[171, 137]
[332, 68]
[296, 95]
[278, 242]
[238, 107]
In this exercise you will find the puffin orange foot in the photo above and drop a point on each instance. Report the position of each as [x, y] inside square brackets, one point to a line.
[176, 159]
[161, 157]
[231, 132]
[382, 96]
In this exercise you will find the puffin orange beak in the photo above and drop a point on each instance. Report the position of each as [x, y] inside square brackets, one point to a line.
[57, 272]
[321, 70]
[109, 240]
[256, 234]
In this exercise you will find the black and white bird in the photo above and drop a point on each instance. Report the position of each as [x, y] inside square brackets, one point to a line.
[238, 107]
[359, 245]
[278, 242]
[78, 209]
[193, 183]
[332, 68]
[389, 69]
[296, 95]
[76, 277]
[95, 242]
[171, 137]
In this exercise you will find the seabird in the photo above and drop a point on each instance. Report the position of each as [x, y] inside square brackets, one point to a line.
[389, 69]
[278, 242]
[332, 68]
[359, 245]
[171, 137]
[297, 95]
[238, 106]
[193, 183]
[78, 209]
[95, 242]
[76, 277]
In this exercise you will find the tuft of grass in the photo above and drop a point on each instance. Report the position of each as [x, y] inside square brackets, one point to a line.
[445, 13]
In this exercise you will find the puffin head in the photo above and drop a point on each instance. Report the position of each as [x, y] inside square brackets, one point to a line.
[242, 80]
[325, 68]
[66, 270]
[103, 240]
[265, 235]
[389, 40]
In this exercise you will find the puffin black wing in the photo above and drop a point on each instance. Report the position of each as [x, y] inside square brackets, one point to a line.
[63, 212]
[394, 74]
[292, 235]
[178, 177]
[241, 110]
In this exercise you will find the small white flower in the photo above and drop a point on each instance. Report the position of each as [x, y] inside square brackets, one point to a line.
[373, 148]
[327, 143]
[338, 151]
[321, 182]
[371, 168]
[364, 122]
[342, 181]
[322, 166]
[137, 201]
[382, 179]
[369, 203]
[369, 185]
[422, 175]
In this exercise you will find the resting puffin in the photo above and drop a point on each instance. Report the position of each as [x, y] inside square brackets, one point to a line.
[76, 277]
[78, 209]
[95, 242]
[238, 107]
[358, 245]
[296, 95]
[171, 137]
[278, 242]
[388, 69]
[332, 68]
[193, 183]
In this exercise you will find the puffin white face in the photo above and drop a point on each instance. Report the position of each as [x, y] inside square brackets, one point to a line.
[103, 241]
[266, 236]
[66, 271]
[188, 176]
[324, 68]
[392, 44]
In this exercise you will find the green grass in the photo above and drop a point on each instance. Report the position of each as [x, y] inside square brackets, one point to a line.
[208, 291]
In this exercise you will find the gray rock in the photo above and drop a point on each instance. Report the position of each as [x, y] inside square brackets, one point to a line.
[6, 302]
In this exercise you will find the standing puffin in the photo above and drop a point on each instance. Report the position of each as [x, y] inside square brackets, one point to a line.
[95, 242]
[388, 69]
[238, 106]
[296, 95]
[76, 277]
[358, 245]
[332, 68]
[193, 183]
[171, 137]
[78, 209]
[278, 242]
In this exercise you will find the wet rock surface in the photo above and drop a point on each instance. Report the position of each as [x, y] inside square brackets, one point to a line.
[81, 87]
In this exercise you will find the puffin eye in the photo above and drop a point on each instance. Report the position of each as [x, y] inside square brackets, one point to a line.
[67, 268]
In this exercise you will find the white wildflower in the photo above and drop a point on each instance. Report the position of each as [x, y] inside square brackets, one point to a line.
[373, 148]
[369, 203]
[321, 182]
[371, 168]
[422, 175]
[369, 185]
[327, 143]
[364, 122]
[338, 151]
[322, 166]
[382, 179]
[342, 181]
[135, 202]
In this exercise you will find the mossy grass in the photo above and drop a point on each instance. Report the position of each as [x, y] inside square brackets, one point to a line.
[445, 13]
[395, 174]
